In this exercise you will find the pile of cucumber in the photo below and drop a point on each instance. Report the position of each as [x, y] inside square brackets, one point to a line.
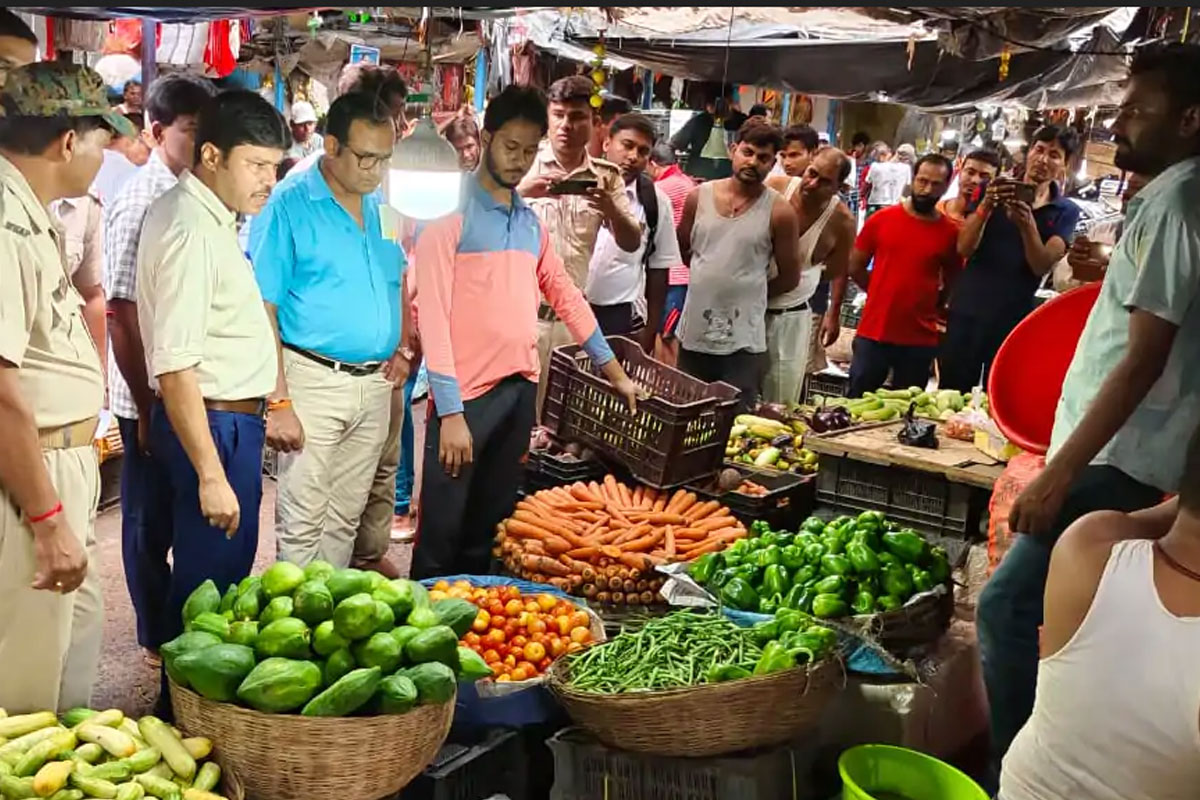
[889, 404]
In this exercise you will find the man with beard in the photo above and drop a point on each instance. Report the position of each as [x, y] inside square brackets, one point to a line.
[827, 233]
[730, 231]
[619, 280]
[979, 169]
[479, 276]
[914, 247]
[1008, 254]
[1131, 397]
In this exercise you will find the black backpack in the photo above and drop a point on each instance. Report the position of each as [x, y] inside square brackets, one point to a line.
[648, 197]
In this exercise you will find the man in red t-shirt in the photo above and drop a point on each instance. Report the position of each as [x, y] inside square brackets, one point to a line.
[915, 252]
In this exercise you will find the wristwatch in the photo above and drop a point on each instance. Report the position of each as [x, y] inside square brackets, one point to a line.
[407, 353]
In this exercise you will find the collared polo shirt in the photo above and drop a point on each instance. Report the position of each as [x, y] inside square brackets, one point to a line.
[997, 283]
[1155, 267]
[198, 304]
[82, 235]
[336, 284]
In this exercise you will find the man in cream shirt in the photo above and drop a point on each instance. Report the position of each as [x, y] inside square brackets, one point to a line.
[209, 347]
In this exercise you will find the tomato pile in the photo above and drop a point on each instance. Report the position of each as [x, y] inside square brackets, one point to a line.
[519, 636]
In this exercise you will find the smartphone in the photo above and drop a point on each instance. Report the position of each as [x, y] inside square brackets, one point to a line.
[573, 186]
[1024, 192]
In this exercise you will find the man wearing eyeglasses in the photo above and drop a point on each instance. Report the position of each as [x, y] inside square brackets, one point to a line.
[331, 280]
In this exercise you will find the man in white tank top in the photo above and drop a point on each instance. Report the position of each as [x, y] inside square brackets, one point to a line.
[730, 230]
[1117, 712]
[827, 234]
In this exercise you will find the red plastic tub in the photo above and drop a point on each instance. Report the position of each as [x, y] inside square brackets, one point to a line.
[1027, 375]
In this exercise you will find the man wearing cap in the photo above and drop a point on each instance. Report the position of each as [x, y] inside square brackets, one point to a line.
[305, 139]
[53, 130]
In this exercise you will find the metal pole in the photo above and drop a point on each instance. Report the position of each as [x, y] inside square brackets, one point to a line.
[149, 52]
[647, 89]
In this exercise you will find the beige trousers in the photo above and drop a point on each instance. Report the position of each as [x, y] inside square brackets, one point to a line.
[375, 527]
[323, 489]
[550, 335]
[788, 345]
[49, 642]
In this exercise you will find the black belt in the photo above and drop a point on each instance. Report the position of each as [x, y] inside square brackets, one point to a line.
[356, 370]
[546, 313]
[776, 311]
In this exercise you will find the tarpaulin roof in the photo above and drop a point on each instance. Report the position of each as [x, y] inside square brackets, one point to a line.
[163, 13]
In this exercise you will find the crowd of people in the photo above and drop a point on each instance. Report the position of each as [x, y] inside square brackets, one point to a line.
[254, 290]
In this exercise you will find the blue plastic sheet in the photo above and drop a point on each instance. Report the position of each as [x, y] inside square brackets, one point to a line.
[859, 656]
[488, 581]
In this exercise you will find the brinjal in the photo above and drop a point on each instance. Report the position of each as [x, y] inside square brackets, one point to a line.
[782, 440]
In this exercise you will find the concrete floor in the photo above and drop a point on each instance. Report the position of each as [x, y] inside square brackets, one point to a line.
[125, 680]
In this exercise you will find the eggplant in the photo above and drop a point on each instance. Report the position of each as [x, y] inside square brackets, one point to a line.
[782, 440]
[774, 411]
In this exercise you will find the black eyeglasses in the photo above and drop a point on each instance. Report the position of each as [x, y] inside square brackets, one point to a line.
[369, 161]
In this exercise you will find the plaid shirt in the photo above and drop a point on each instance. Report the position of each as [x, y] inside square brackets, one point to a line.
[122, 228]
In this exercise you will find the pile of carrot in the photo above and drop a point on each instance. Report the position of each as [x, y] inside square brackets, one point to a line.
[603, 540]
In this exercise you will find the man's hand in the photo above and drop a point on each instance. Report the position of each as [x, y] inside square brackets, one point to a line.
[532, 187]
[61, 562]
[143, 433]
[1086, 264]
[602, 201]
[397, 369]
[454, 447]
[284, 431]
[625, 387]
[219, 505]
[1021, 214]
[831, 328]
[1037, 508]
[647, 338]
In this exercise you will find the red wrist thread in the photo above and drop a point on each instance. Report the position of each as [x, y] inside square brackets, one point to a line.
[51, 513]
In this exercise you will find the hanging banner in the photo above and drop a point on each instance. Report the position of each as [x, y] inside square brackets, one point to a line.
[363, 54]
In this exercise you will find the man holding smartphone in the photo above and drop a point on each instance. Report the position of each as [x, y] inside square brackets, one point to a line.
[1017, 234]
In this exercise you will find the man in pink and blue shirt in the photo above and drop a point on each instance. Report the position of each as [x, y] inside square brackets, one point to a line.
[480, 274]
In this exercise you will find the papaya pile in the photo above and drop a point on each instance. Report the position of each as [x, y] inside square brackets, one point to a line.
[323, 642]
[102, 754]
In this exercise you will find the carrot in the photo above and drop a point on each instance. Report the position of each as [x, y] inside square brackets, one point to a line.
[690, 534]
[646, 542]
[610, 551]
[669, 547]
[611, 536]
[625, 495]
[675, 500]
[648, 498]
[687, 502]
[575, 565]
[636, 561]
[562, 584]
[558, 526]
[581, 492]
[585, 553]
[611, 493]
[618, 515]
[715, 523]
[701, 510]
[546, 566]
[595, 490]
[710, 546]
[518, 527]
[664, 519]
[660, 503]
[592, 529]
[633, 533]
[638, 494]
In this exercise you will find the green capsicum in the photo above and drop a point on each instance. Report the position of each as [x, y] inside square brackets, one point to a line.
[864, 602]
[816, 642]
[871, 517]
[768, 538]
[721, 577]
[776, 580]
[897, 581]
[835, 565]
[775, 658]
[888, 603]
[826, 606]
[835, 543]
[833, 584]
[739, 594]
[790, 619]
[768, 556]
[770, 604]
[862, 558]
[813, 552]
[799, 598]
[765, 631]
[906, 545]
[939, 565]
[790, 556]
[759, 527]
[703, 568]
[812, 525]
[805, 575]
[921, 580]
[726, 672]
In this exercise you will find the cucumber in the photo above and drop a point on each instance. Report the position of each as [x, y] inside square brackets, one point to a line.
[208, 777]
[115, 771]
[67, 794]
[16, 788]
[77, 715]
[14, 727]
[143, 759]
[163, 789]
[160, 736]
[89, 752]
[130, 791]
[94, 787]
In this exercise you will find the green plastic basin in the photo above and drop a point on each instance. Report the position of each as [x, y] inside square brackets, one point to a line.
[883, 772]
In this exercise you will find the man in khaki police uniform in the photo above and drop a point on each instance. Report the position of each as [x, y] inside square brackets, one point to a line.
[573, 220]
[53, 130]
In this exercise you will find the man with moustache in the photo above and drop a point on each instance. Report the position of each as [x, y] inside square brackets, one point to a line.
[210, 350]
[480, 274]
[731, 230]
[827, 234]
[915, 250]
[1131, 397]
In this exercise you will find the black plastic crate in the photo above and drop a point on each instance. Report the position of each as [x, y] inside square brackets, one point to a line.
[929, 503]
[789, 499]
[584, 769]
[460, 772]
[817, 383]
[545, 471]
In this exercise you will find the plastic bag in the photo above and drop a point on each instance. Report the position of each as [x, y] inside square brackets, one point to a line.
[963, 424]
[918, 432]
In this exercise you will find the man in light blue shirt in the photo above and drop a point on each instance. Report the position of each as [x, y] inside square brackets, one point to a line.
[332, 280]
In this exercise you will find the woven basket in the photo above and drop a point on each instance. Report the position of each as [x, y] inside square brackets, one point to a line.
[231, 785]
[913, 626]
[286, 756]
[707, 720]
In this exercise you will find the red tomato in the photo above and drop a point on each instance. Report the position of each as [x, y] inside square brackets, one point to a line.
[546, 601]
[529, 668]
[536, 626]
[563, 624]
[510, 629]
[503, 678]
[580, 619]
[472, 638]
[557, 647]
[498, 621]
[511, 593]
[522, 674]
[495, 607]
[491, 657]
[581, 635]
[513, 607]
[540, 638]
[532, 607]
[574, 647]
[544, 664]
[533, 651]
[518, 641]
[482, 620]
[510, 660]
[494, 638]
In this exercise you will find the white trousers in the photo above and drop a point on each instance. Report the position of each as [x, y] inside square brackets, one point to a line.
[787, 350]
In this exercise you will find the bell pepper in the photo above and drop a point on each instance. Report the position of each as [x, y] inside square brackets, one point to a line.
[871, 517]
[790, 619]
[785, 539]
[921, 581]
[703, 568]
[775, 658]
[740, 548]
[739, 594]
[906, 545]
[888, 603]
[833, 584]
[769, 604]
[726, 672]
[815, 642]
[826, 606]
[734, 559]
[776, 580]
[790, 556]
[862, 558]
[939, 565]
[799, 598]
[765, 631]
[759, 527]
[870, 538]
[897, 581]
[812, 525]
[768, 538]
[886, 558]
[863, 603]
[813, 552]
[805, 575]
[834, 565]
[835, 542]
[721, 577]
[768, 556]
[842, 521]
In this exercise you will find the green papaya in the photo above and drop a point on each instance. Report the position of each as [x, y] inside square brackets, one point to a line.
[435, 682]
[471, 666]
[385, 620]
[374, 580]
[347, 582]
[438, 643]
[216, 672]
[313, 602]
[318, 570]
[281, 578]
[381, 650]
[403, 634]
[457, 614]
[283, 638]
[279, 685]
[243, 632]
[354, 617]
[278, 608]
[397, 695]
[337, 665]
[325, 640]
[350, 693]
[192, 640]
[204, 598]
[251, 583]
[229, 598]
[212, 622]
[398, 594]
[420, 595]
[247, 606]
[423, 617]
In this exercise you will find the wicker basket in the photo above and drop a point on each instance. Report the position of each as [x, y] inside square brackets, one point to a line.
[231, 785]
[285, 756]
[707, 720]
[914, 626]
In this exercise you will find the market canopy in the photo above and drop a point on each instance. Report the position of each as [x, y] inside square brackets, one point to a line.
[163, 13]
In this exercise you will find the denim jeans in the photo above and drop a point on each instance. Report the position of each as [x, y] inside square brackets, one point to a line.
[1009, 612]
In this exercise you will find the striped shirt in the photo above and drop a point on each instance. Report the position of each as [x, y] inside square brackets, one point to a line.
[479, 274]
[676, 185]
